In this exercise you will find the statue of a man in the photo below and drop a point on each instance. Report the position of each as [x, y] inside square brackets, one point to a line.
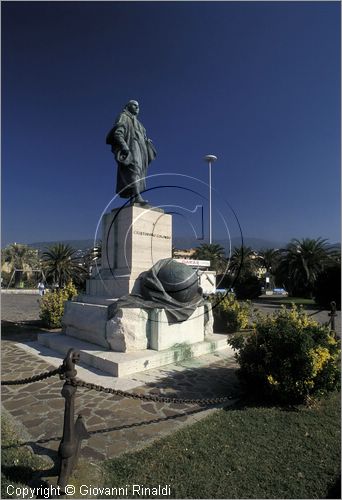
[133, 152]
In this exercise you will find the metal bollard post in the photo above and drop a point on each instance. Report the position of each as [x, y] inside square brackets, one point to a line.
[73, 432]
[332, 315]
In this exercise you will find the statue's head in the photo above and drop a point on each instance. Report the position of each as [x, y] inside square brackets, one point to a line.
[132, 107]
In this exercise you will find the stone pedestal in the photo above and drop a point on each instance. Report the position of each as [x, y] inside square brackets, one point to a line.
[134, 329]
[138, 338]
[133, 240]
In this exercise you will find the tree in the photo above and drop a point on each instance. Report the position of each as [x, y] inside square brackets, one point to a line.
[243, 261]
[62, 265]
[300, 264]
[269, 259]
[213, 252]
[241, 275]
[328, 286]
[247, 287]
[19, 257]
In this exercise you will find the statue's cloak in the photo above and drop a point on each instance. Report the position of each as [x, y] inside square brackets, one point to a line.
[129, 134]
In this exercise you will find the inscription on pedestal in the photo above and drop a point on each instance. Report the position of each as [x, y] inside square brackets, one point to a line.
[133, 240]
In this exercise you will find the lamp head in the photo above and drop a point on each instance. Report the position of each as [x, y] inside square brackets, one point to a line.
[210, 158]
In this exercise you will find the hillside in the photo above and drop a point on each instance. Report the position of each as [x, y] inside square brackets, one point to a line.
[178, 242]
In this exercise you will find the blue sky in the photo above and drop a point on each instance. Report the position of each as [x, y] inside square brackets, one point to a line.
[255, 83]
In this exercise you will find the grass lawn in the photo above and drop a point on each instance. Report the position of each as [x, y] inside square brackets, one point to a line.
[244, 452]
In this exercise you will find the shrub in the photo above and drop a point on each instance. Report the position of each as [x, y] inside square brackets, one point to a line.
[229, 314]
[6, 276]
[247, 286]
[52, 305]
[289, 358]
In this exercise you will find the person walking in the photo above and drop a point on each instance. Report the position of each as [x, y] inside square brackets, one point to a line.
[41, 288]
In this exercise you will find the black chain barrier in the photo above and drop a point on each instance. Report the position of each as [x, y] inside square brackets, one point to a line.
[145, 397]
[148, 397]
[317, 312]
[34, 378]
[75, 431]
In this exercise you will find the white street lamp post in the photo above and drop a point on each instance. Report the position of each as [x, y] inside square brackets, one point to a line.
[210, 159]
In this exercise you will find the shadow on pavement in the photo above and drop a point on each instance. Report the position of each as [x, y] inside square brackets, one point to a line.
[213, 381]
[42, 450]
[22, 330]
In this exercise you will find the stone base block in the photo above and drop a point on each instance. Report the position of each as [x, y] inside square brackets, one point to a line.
[132, 329]
[120, 364]
[163, 335]
[86, 322]
[129, 330]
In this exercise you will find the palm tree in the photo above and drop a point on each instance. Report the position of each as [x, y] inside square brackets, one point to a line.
[300, 264]
[243, 261]
[213, 252]
[268, 259]
[62, 265]
[19, 257]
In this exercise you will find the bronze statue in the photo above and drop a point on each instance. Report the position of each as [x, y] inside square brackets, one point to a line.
[133, 152]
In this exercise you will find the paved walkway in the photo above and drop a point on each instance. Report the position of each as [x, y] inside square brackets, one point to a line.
[116, 425]
[19, 307]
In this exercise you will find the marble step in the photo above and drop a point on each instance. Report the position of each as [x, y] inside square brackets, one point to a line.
[121, 364]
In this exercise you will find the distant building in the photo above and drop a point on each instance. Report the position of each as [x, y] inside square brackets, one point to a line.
[184, 253]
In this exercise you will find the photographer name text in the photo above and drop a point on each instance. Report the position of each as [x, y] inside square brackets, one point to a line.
[129, 490]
